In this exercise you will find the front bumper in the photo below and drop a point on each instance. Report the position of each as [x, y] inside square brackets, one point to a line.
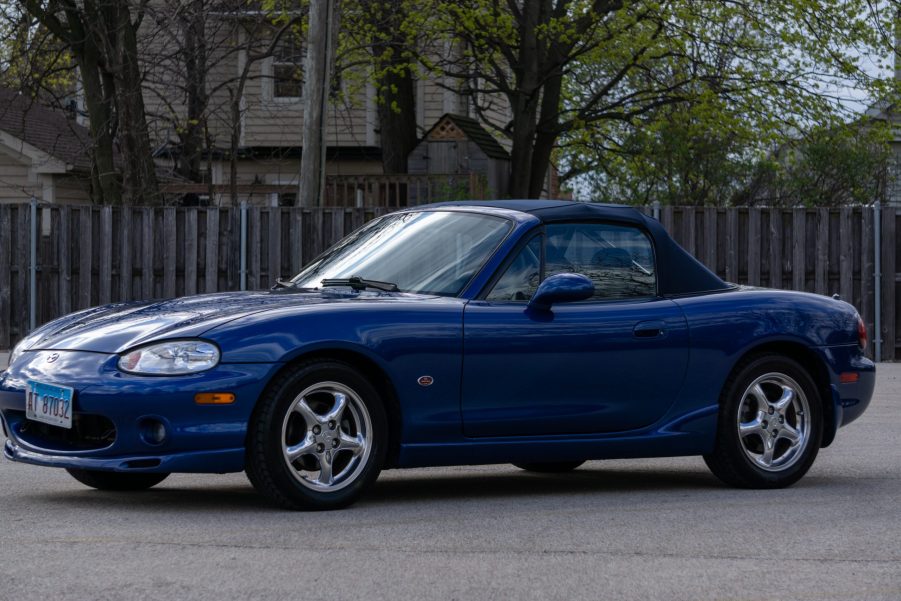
[198, 438]
[221, 462]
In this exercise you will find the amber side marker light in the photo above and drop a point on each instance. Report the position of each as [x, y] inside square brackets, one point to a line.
[849, 377]
[214, 398]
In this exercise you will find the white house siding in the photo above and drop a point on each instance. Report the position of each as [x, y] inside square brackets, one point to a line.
[164, 95]
[71, 189]
[15, 184]
[275, 122]
[433, 105]
[496, 111]
[893, 176]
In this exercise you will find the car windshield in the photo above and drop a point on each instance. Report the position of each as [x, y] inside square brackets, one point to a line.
[427, 252]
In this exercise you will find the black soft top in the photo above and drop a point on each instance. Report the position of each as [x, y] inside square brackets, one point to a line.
[678, 272]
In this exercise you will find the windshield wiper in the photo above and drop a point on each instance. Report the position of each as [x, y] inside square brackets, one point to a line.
[280, 283]
[358, 283]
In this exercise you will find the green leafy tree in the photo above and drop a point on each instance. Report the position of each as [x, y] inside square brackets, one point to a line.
[582, 76]
[828, 166]
[384, 43]
[32, 60]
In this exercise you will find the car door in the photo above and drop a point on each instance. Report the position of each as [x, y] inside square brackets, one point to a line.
[612, 363]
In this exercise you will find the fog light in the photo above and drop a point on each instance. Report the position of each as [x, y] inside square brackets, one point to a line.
[153, 431]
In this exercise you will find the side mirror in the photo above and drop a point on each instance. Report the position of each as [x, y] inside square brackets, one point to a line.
[561, 288]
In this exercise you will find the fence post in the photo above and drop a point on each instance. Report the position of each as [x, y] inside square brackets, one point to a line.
[33, 267]
[877, 281]
[655, 210]
[243, 245]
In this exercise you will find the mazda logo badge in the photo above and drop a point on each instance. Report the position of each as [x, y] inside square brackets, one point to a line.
[52, 357]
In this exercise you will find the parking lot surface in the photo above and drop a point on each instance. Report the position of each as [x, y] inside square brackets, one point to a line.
[625, 529]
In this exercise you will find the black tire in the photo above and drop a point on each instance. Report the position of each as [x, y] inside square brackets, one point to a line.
[738, 460]
[551, 467]
[277, 419]
[123, 481]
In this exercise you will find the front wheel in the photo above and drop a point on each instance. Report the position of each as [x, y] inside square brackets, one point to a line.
[124, 481]
[318, 437]
[770, 424]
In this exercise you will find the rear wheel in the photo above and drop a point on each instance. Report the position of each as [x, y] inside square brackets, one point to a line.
[116, 480]
[318, 437]
[770, 424]
[551, 467]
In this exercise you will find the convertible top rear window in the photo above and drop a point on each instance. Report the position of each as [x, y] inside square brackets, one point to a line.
[428, 252]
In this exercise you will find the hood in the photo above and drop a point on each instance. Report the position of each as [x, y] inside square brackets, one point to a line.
[119, 327]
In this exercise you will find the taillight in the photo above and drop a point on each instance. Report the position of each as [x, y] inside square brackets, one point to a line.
[861, 333]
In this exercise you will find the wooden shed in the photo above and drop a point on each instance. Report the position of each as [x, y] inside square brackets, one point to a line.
[458, 145]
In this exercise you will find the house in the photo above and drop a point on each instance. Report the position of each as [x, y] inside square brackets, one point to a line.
[458, 145]
[257, 97]
[270, 126]
[885, 111]
[43, 153]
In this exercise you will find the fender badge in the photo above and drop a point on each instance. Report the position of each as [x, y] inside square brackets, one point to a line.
[52, 357]
[425, 380]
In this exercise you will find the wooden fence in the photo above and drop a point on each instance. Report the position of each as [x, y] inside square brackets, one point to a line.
[88, 255]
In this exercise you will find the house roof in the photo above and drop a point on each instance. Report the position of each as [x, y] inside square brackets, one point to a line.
[48, 130]
[451, 127]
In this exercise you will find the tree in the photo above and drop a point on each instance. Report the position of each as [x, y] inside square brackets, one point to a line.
[828, 166]
[684, 155]
[102, 37]
[183, 29]
[32, 60]
[392, 34]
[581, 76]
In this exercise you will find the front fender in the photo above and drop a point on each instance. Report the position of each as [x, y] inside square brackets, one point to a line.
[406, 340]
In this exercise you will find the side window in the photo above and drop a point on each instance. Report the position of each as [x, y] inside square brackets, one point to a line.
[521, 279]
[618, 259]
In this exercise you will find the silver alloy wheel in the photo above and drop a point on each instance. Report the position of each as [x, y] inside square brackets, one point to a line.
[774, 422]
[326, 436]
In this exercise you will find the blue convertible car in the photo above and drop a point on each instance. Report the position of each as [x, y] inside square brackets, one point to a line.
[541, 333]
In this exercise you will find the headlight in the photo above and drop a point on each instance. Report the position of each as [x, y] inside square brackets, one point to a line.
[175, 358]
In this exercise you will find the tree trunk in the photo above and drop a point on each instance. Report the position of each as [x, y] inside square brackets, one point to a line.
[139, 178]
[100, 115]
[395, 85]
[192, 136]
[525, 101]
[546, 132]
[397, 112]
[521, 151]
[317, 77]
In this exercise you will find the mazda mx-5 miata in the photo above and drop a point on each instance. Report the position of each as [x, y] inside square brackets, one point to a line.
[539, 333]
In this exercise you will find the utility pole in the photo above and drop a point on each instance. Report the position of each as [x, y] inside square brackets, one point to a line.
[318, 69]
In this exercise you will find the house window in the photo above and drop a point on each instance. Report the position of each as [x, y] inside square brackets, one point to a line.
[287, 199]
[287, 68]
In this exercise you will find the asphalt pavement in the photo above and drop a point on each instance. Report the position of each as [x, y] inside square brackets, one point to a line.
[626, 529]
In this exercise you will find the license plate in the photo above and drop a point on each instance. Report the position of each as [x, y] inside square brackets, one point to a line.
[49, 403]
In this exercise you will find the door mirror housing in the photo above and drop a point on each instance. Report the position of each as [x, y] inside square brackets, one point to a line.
[561, 288]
